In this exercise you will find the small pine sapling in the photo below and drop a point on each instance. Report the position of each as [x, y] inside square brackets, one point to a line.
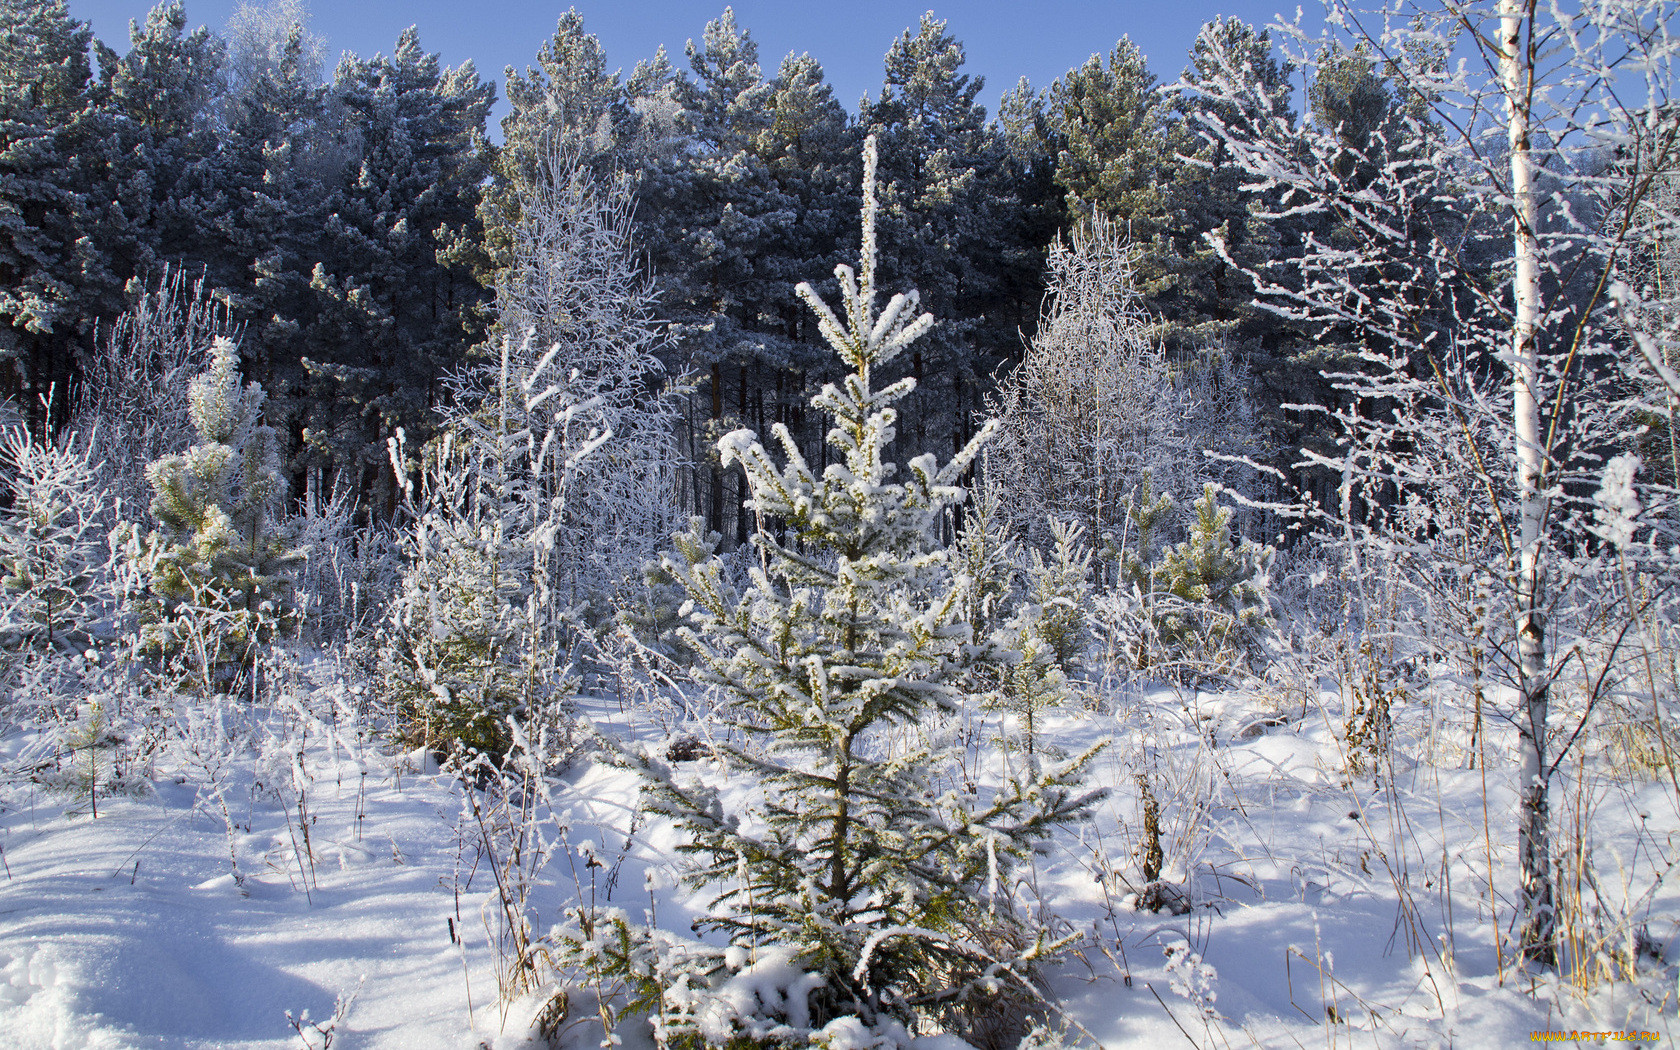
[87, 746]
[1135, 553]
[855, 872]
[221, 560]
[94, 737]
[986, 554]
[52, 544]
[449, 664]
[1221, 581]
[1147, 516]
[477, 621]
[1033, 684]
[1204, 599]
[90, 738]
[1060, 589]
[1049, 632]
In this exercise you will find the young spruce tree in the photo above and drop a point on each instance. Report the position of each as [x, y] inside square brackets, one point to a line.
[885, 890]
[217, 571]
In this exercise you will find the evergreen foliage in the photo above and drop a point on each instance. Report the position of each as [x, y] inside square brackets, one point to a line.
[567, 104]
[857, 868]
[221, 544]
[1060, 587]
[389, 309]
[1123, 156]
[52, 161]
[948, 202]
[1212, 200]
[750, 196]
[475, 629]
[263, 210]
[1205, 598]
[1050, 634]
[1113, 126]
[160, 101]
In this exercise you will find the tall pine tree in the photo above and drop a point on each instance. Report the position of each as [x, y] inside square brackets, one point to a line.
[393, 309]
[948, 204]
[53, 161]
[160, 99]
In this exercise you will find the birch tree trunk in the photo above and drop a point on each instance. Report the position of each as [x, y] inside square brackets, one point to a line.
[1516, 68]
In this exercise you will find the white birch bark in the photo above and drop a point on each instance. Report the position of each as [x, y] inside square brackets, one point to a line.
[1516, 69]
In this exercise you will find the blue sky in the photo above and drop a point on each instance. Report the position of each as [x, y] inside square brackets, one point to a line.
[1004, 40]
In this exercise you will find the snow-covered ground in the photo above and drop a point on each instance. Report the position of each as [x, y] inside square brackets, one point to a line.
[1325, 909]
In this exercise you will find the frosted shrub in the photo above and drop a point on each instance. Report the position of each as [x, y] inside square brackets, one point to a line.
[1097, 404]
[349, 571]
[1191, 978]
[573, 296]
[133, 406]
[452, 667]
[52, 545]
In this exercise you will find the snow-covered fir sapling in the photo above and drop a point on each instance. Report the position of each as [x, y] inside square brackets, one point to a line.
[987, 555]
[1204, 599]
[52, 544]
[882, 901]
[216, 573]
[1049, 632]
[477, 622]
[1031, 687]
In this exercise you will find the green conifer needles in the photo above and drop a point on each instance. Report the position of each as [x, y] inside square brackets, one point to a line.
[218, 568]
[886, 881]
